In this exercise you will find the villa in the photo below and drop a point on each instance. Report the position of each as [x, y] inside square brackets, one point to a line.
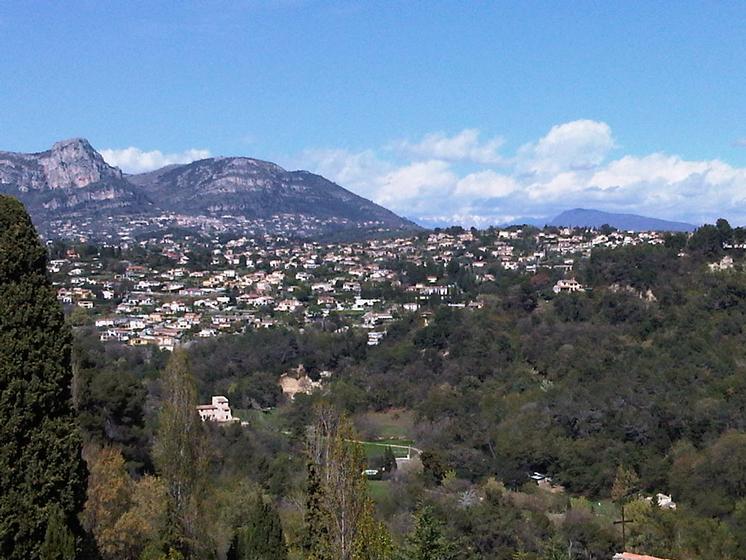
[218, 411]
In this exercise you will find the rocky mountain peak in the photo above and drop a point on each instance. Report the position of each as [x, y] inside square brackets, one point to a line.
[73, 144]
[73, 163]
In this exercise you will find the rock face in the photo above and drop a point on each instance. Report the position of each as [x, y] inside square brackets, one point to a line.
[72, 180]
[70, 164]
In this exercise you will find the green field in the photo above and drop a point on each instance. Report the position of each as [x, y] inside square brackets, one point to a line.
[378, 447]
[268, 419]
[379, 489]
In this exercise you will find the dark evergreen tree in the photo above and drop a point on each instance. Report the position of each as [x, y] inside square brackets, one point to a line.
[59, 542]
[389, 460]
[316, 542]
[40, 462]
[427, 541]
[261, 537]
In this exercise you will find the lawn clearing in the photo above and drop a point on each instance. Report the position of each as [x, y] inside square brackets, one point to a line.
[379, 490]
[378, 447]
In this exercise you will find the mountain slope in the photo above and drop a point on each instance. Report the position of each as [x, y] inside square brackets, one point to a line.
[581, 217]
[68, 180]
[257, 189]
[72, 182]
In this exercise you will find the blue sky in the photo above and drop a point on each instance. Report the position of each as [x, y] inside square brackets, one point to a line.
[453, 111]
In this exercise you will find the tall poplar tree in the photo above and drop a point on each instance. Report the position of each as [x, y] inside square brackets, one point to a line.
[42, 474]
[339, 519]
[181, 456]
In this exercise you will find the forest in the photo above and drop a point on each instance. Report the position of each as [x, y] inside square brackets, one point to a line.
[634, 387]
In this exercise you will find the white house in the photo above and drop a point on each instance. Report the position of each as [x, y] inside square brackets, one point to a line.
[218, 411]
[567, 286]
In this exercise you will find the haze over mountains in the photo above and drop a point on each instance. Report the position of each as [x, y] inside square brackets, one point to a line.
[72, 181]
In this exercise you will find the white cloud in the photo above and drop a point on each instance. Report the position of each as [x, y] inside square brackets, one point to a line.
[416, 182]
[135, 160]
[358, 171]
[655, 167]
[486, 184]
[576, 145]
[445, 178]
[401, 188]
[464, 146]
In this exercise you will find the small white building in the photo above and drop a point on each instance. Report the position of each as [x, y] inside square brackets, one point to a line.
[567, 286]
[663, 501]
[218, 411]
[726, 263]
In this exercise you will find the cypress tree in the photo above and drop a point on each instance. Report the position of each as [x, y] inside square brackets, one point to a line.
[59, 542]
[389, 460]
[261, 537]
[316, 541]
[41, 469]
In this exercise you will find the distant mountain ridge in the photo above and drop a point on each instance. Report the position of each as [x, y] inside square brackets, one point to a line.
[583, 217]
[71, 181]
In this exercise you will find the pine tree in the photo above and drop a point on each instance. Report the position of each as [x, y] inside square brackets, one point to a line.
[181, 455]
[389, 460]
[373, 541]
[427, 541]
[40, 461]
[261, 537]
[59, 542]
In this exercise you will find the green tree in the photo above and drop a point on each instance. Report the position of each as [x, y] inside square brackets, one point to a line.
[707, 240]
[389, 460]
[316, 541]
[260, 538]
[373, 540]
[59, 542]
[725, 230]
[427, 541]
[340, 525]
[40, 461]
[181, 456]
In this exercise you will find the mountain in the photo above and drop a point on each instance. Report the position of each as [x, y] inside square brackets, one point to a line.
[257, 189]
[581, 217]
[69, 179]
[72, 182]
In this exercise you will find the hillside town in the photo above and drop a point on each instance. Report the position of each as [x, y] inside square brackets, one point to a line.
[168, 289]
[115, 229]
